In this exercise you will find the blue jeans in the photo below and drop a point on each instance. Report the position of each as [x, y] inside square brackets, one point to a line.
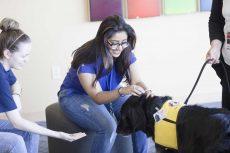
[11, 143]
[83, 111]
[31, 140]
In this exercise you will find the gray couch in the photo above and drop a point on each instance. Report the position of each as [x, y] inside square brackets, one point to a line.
[56, 120]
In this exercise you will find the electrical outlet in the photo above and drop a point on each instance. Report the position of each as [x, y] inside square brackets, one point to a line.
[56, 72]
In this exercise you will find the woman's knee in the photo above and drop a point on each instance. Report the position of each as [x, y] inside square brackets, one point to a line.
[111, 128]
[17, 141]
[14, 143]
[87, 114]
[108, 126]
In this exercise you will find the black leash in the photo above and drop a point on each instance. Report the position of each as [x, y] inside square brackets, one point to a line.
[198, 78]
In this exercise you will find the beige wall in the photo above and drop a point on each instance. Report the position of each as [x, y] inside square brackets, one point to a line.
[170, 49]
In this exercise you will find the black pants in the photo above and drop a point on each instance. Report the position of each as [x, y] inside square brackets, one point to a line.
[225, 91]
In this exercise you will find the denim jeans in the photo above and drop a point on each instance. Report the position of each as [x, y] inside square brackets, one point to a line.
[83, 111]
[12, 143]
[31, 140]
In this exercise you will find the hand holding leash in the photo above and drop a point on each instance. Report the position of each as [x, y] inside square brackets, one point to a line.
[213, 53]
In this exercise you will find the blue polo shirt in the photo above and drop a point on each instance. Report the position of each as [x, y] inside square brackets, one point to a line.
[7, 79]
[107, 82]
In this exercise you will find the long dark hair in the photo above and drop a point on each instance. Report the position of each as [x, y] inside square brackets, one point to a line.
[96, 48]
[11, 36]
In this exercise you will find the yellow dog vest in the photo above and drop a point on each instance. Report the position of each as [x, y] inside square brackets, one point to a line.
[165, 132]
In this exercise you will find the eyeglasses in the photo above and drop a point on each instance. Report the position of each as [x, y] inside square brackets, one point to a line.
[116, 45]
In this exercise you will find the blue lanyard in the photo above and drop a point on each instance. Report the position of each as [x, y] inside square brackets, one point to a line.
[108, 84]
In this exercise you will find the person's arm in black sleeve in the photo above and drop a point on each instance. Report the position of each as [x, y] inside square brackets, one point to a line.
[216, 21]
[216, 32]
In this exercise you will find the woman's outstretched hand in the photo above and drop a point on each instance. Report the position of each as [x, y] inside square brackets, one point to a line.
[71, 137]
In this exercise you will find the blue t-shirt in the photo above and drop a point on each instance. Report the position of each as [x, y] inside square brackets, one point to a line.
[107, 82]
[7, 79]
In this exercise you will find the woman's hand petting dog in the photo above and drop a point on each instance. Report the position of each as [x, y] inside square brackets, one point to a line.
[133, 90]
[136, 91]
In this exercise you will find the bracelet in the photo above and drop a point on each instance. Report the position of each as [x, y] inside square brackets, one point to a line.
[16, 94]
[120, 94]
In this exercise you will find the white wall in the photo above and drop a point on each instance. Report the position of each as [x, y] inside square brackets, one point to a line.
[170, 49]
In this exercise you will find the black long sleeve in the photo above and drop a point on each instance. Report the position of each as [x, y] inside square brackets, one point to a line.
[216, 21]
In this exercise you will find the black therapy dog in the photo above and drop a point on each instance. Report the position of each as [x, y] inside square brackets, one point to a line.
[198, 129]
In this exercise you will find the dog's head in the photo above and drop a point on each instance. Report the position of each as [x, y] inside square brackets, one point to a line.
[137, 114]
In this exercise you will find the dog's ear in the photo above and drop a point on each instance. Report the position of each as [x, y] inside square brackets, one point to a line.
[132, 116]
[166, 98]
[154, 103]
[124, 126]
[157, 100]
